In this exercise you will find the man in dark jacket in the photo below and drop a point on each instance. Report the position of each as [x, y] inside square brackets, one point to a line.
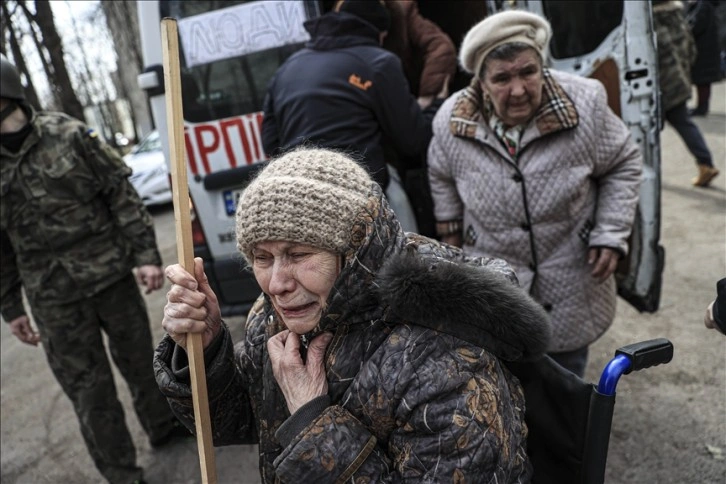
[72, 227]
[344, 91]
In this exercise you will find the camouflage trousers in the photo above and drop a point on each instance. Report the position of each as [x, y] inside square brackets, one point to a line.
[72, 339]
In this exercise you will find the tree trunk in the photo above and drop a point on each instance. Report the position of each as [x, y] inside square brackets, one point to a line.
[60, 81]
[54, 102]
[122, 21]
[31, 94]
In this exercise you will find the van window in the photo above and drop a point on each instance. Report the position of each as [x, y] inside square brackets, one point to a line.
[229, 86]
[574, 29]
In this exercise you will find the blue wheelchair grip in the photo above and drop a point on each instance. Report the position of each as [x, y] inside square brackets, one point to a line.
[634, 357]
[612, 372]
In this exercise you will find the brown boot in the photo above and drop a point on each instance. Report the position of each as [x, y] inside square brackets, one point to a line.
[705, 175]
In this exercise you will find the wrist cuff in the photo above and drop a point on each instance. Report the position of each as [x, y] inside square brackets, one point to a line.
[450, 227]
[301, 419]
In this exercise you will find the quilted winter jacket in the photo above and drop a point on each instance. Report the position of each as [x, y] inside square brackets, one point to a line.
[408, 400]
[574, 186]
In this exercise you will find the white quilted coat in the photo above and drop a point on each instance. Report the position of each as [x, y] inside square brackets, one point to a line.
[574, 185]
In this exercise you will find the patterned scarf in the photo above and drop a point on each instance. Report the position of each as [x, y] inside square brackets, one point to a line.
[509, 136]
[556, 113]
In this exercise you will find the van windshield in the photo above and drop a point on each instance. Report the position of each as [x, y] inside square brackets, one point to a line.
[229, 50]
[574, 29]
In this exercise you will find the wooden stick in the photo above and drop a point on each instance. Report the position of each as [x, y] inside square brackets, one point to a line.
[185, 247]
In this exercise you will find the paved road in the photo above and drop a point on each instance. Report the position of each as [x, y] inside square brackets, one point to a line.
[669, 424]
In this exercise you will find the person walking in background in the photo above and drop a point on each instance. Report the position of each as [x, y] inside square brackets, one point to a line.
[72, 228]
[344, 91]
[676, 52]
[372, 355]
[706, 69]
[530, 165]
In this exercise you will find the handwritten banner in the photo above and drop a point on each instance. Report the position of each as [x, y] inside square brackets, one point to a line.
[241, 30]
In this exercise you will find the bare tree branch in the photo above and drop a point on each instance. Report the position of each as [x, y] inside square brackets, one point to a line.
[42, 52]
[52, 41]
[31, 95]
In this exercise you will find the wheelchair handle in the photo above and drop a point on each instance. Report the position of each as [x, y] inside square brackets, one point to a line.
[647, 353]
[634, 357]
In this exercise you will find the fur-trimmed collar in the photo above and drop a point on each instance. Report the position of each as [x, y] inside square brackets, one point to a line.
[473, 303]
[556, 113]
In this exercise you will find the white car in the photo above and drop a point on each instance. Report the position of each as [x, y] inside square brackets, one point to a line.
[150, 176]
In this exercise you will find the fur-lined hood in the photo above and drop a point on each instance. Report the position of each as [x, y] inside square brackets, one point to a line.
[411, 279]
[475, 304]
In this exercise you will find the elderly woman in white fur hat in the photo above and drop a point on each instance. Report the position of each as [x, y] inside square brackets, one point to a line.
[530, 165]
[372, 355]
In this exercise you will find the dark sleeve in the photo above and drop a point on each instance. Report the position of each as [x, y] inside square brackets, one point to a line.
[719, 306]
[298, 421]
[270, 132]
[230, 408]
[397, 111]
[124, 204]
[11, 298]
[437, 50]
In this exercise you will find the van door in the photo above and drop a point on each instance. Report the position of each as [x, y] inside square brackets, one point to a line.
[228, 53]
[614, 41]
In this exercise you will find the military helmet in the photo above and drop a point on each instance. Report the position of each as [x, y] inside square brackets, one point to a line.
[10, 86]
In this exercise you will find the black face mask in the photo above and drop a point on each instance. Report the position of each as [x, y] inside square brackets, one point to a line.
[14, 141]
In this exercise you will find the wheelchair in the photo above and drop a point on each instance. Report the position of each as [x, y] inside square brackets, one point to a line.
[569, 420]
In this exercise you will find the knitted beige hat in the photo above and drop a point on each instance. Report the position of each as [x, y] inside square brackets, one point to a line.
[503, 28]
[308, 195]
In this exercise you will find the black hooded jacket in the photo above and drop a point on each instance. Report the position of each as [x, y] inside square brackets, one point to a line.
[344, 91]
[417, 386]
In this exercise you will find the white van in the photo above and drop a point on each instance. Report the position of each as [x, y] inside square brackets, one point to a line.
[231, 49]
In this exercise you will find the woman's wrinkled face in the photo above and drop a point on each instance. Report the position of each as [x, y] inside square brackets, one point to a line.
[297, 278]
[515, 86]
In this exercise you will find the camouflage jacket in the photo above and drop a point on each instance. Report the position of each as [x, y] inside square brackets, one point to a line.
[410, 397]
[71, 223]
[676, 53]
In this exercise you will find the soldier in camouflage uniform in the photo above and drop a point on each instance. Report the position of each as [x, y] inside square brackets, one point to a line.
[72, 229]
[676, 53]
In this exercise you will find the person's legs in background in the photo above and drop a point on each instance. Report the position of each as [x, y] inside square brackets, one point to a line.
[71, 337]
[690, 134]
[123, 316]
[703, 92]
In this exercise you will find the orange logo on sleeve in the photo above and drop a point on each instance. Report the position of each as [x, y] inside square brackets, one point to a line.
[356, 81]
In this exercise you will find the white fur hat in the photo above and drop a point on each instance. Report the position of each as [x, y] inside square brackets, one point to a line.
[503, 28]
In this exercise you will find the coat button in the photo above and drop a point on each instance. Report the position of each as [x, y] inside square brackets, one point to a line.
[517, 177]
[547, 307]
[525, 226]
[532, 267]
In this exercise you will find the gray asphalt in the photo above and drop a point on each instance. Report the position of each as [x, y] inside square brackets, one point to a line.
[669, 425]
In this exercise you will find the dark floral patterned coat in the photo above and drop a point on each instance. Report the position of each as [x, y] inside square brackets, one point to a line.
[417, 392]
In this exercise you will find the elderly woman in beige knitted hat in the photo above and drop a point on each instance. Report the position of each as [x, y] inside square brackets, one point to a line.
[372, 355]
[529, 164]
